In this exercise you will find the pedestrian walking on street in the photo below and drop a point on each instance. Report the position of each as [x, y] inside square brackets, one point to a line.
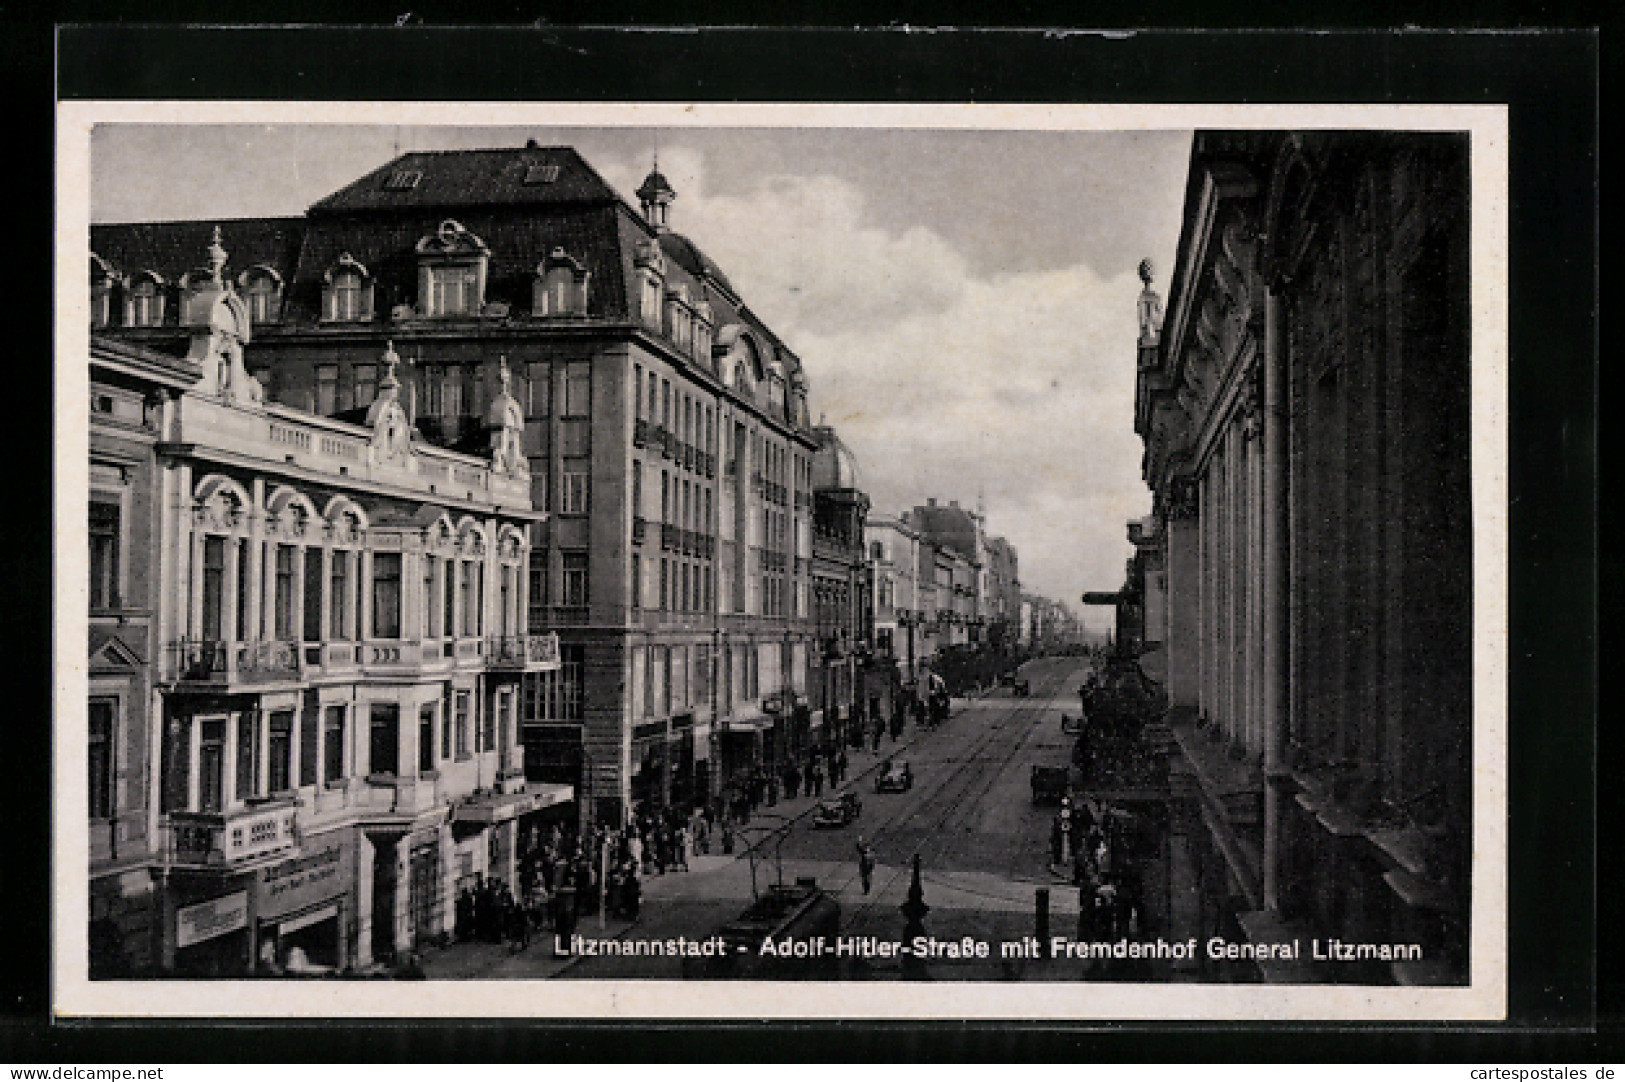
[866, 864]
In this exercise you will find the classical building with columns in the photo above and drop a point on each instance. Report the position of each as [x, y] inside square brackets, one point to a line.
[665, 428]
[338, 635]
[1306, 573]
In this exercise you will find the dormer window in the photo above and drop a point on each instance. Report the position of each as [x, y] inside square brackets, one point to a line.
[703, 322]
[144, 305]
[347, 292]
[453, 291]
[541, 174]
[102, 283]
[451, 272]
[561, 286]
[262, 292]
[651, 265]
[402, 180]
[679, 318]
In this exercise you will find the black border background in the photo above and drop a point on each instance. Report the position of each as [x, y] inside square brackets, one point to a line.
[1550, 82]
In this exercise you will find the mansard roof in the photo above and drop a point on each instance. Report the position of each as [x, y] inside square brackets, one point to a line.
[448, 179]
[172, 248]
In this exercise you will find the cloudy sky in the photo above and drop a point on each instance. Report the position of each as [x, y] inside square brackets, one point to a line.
[963, 300]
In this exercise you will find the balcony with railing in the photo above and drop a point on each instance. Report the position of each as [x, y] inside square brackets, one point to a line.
[225, 664]
[333, 449]
[523, 653]
[671, 537]
[231, 839]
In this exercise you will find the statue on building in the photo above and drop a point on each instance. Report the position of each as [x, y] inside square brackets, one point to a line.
[505, 422]
[1150, 308]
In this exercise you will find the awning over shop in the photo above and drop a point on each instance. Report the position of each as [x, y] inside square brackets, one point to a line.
[500, 807]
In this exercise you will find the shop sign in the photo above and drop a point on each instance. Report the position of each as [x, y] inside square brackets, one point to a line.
[318, 873]
[215, 917]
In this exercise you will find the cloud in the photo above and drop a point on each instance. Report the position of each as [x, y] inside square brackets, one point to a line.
[1015, 390]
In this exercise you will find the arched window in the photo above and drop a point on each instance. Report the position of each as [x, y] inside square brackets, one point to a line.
[103, 281]
[561, 286]
[451, 272]
[262, 291]
[144, 304]
[347, 295]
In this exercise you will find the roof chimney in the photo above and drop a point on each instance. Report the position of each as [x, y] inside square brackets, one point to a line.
[531, 144]
[930, 501]
[953, 503]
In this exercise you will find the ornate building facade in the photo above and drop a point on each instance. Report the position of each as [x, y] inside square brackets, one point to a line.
[664, 426]
[1304, 405]
[337, 634]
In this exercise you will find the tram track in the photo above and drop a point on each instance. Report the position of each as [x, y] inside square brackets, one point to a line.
[955, 798]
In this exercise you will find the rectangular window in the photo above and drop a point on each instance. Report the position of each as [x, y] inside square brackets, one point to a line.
[105, 532]
[637, 391]
[243, 631]
[488, 731]
[337, 591]
[312, 631]
[577, 390]
[310, 725]
[505, 601]
[637, 489]
[573, 489]
[538, 579]
[103, 714]
[280, 752]
[426, 738]
[451, 394]
[453, 291]
[427, 603]
[635, 586]
[448, 600]
[327, 389]
[540, 386]
[248, 755]
[434, 378]
[460, 701]
[333, 745]
[575, 579]
[211, 765]
[386, 595]
[445, 726]
[384, 743]
[366, 384]
[665, 579]
[283, 593]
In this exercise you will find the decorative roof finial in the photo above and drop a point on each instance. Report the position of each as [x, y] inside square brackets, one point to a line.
[391, 359]
[217, 256]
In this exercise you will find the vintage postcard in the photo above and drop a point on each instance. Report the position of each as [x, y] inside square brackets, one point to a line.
[873, 562]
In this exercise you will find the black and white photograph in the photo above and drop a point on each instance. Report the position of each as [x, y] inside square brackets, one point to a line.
[609, 560]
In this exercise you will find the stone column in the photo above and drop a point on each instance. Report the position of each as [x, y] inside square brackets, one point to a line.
[1277, 646]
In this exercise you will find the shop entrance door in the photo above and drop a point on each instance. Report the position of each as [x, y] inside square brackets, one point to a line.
[425, 891]
[383, 899]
